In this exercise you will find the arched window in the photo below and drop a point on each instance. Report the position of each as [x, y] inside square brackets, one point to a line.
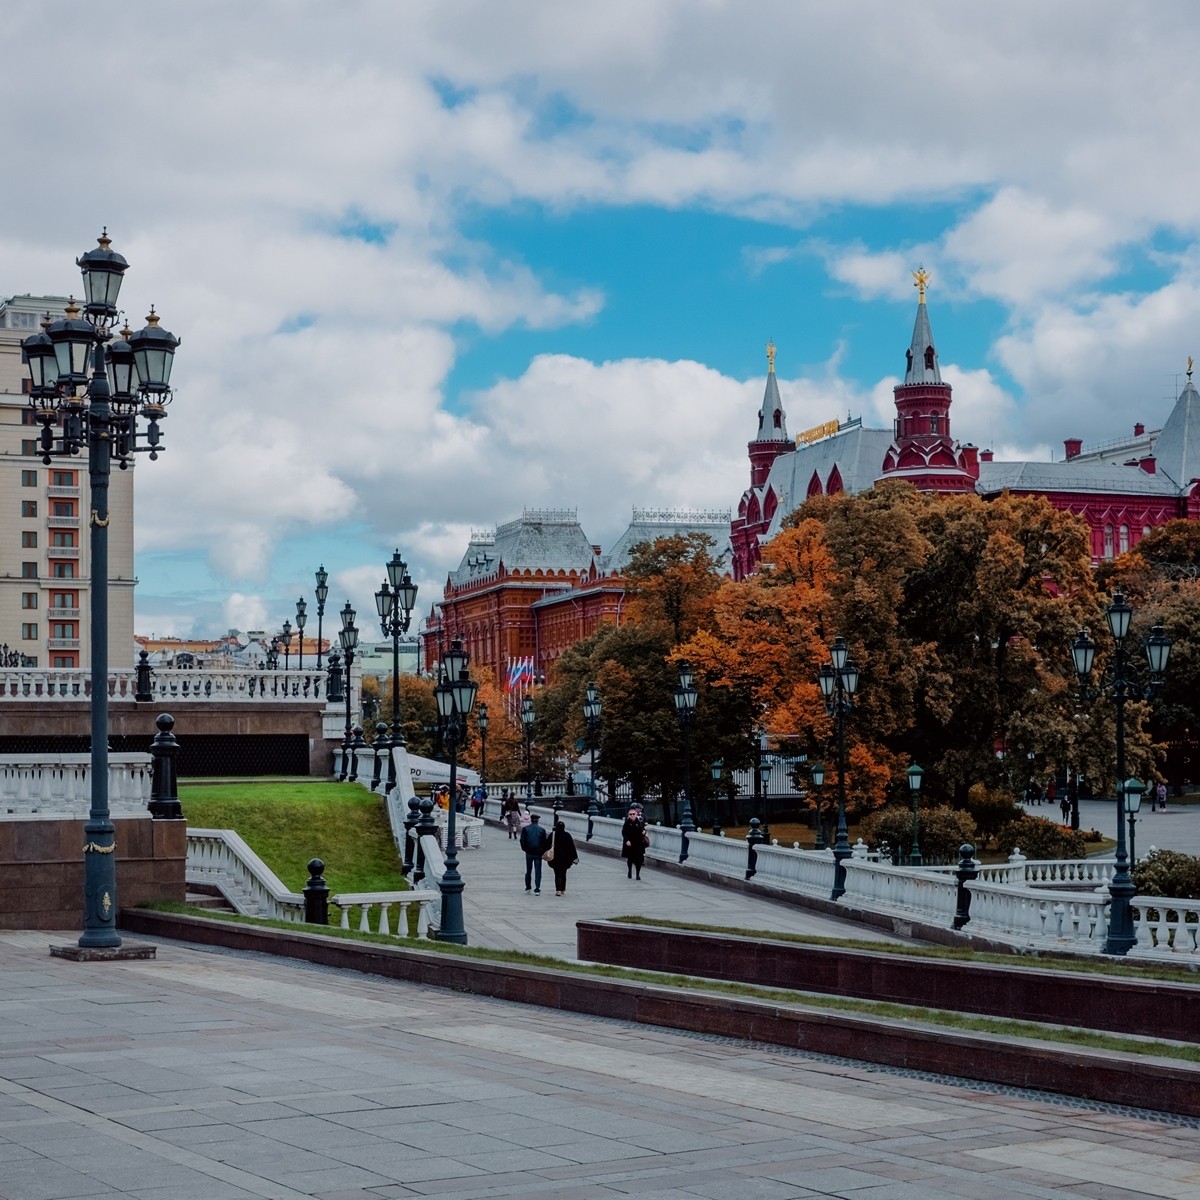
[1108, 541]
[929, 358]
[1124, 542]
[935, 424]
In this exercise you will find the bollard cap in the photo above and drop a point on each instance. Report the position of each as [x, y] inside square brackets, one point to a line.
[315, 866]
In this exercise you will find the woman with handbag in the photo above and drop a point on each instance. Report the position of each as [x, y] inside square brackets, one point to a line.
[634, 840]
[561, 856]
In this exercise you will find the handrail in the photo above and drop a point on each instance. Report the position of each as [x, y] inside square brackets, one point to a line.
[366, 901]
[220, 857]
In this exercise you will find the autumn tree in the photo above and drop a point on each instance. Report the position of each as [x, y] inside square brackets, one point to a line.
[669, 583]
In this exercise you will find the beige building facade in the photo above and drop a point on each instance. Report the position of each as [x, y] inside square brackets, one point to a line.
[45, 568]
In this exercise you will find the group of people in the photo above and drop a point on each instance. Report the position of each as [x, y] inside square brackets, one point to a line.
[1034, 795]
[557, 848]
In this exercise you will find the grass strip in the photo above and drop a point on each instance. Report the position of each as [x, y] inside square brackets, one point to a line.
[1028, 961]
[902, 1013]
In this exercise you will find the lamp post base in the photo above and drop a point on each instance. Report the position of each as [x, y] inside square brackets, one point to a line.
[127, 950]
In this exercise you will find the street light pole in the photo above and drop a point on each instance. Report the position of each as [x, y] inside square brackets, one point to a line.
[88, 393]
[914, 787]
[1121, 937]
[839, 681]
[717, 768]
[592, 708]
[817, 773]
[394, 602]
[348, 636]
[765, 768]
[1133, 805]
[287, 644]
[455, 695]
[301, 621]
[322, 595]
[527, 719]
[685, 710]
[483, 721]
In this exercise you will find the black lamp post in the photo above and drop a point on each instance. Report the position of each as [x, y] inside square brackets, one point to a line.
[717, 768]
[395, 601]
[455, 695]
[1133, 805]
[1121, 937]
[348, 637]
[592, 709]
[322, 578]
[765, 767]
[482, 721]
[685, 710]
[273, 656]
[915, 774]
[817, 774]
[839, 682]
[89, 392]
[287, 645]
[527, 719]
[301, 621]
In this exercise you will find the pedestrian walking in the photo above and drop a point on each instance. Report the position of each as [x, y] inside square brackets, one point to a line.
[510, 813]
[478, 799]
[535, 842]
[1051, 793]
[1160, 794]
[561, 856]
[1065, 806]
[634, 840]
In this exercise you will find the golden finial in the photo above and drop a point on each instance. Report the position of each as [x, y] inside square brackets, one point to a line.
[771, 358]
[152, 317]
[920, 281]
[1189, 366]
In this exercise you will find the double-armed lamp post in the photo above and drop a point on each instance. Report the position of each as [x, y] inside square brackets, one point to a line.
[455, 695]
[395, 601]
[1123, 686]
[89, 392]
[839, 682]
[348, 636]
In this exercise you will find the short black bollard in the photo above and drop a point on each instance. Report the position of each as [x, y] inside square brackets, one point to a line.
[410, 824]
[316, 894]
[965, 872]
[356, 744]
[164, 796]
[754, 839]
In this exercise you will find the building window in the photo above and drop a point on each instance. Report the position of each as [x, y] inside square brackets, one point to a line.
[27, 414]
[1145, 531]
[1124, 542]
[1108, 541]
[64, 661]
[29, 479]
[29, 631]
[63, 479]
[63, 537]
[61, 508]
[29, 447]
[28, 539]
[64, 599]
[935, 424]
[29, 570]
[29, 599]
[29, 508]
[63, 570]
[63, 629]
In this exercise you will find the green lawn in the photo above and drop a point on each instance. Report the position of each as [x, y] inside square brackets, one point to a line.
[288, 823]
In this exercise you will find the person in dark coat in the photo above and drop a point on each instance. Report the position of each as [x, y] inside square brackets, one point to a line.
[634, 840]
[564, 858]
[535, 841]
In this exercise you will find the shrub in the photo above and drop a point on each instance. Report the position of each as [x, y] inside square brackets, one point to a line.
[1168, 873]
[991, 809]
[1038, 838]
[942, 831]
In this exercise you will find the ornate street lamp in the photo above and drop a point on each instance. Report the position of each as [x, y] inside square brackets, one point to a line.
[817, 774]
[685, 710]
[348, 637]
[394, 602]
[717, 768]
[301, 621]
[527, 719]
[455, 696]
[273, 657]
[1121, 937]
[287, 644]
[592, 709]
[90, 392]
[765, 768]
[1133, 804]
[839, 682]
[482, 721]
[322, 593]
[915, 775]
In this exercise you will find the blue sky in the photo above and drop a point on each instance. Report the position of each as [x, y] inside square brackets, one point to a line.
[433, 264]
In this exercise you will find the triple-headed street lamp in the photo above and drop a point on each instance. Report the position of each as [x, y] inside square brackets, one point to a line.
[1123, 685]
[592, 708]
[89, 392]
[839, 682]
[455, 695]
[395, 601]
[685, 709]
[322, 593]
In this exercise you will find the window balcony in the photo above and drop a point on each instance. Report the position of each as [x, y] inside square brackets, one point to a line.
[62, 614]
[62, 522]
[62, 552]
[62, 643]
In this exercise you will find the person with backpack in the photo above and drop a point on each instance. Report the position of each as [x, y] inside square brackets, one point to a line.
[535, 841]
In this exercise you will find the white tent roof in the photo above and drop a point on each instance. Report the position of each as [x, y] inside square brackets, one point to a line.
[429, 770]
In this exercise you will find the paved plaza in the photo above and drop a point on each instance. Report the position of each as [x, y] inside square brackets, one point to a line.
[223, 1076]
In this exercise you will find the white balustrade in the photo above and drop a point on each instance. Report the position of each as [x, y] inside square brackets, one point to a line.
[365, 902]
[34, 685]
[60, 785]
[221, 858]
[1166, 928]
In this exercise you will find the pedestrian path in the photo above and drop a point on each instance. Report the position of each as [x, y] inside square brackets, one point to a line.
[1178, 828]
[206, 1075]
[499, 913]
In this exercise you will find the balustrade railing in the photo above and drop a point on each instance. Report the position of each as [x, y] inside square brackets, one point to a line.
[60, 785]
[32, 684]
[220, 858]
[1166, 927]
[381, 903]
